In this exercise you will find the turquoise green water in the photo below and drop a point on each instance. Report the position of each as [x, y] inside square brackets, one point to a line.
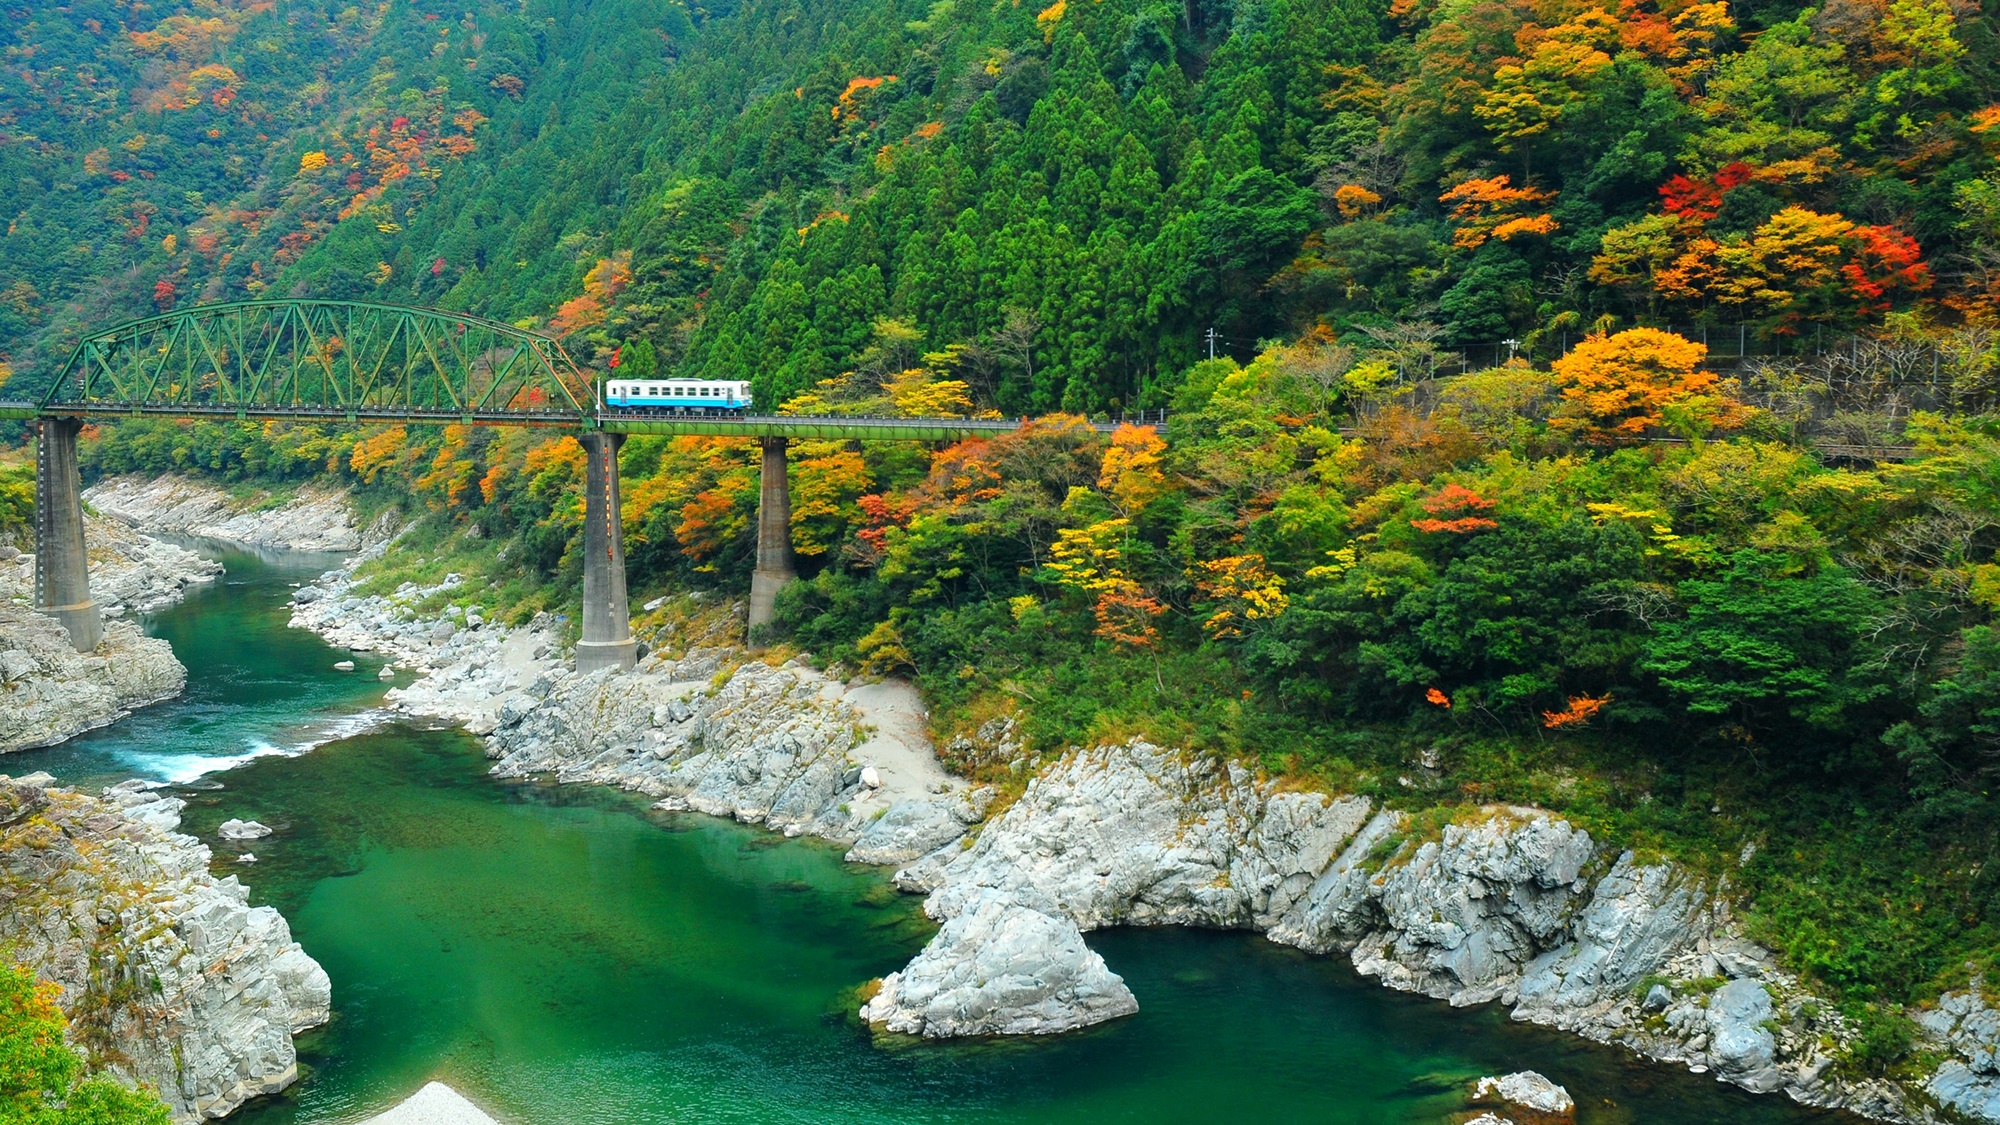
[566, 956]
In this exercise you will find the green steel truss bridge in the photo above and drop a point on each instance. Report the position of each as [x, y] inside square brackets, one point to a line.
[362, 362]
[357, 361]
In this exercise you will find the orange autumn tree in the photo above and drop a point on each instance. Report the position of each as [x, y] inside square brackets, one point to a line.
[1797, 266]
[1494, 208]
[1456, 510]
[601, 283]
[1620, 387]
[377, 451]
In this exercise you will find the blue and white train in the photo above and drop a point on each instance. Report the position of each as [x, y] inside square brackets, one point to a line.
[677, 396]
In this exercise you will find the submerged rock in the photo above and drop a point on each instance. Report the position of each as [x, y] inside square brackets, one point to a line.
[92, 881]
[435, 1104]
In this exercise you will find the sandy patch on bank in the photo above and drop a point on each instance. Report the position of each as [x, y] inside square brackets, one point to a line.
[899, 741]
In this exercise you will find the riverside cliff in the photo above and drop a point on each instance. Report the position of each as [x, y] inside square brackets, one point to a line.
[313, 519]
[168, 975]
[52, 692]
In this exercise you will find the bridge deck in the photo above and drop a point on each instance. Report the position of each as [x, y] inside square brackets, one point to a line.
[810, 427]
[824, 427]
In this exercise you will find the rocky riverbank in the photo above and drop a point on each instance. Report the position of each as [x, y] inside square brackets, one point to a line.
[1496, 904]
[52, 692]
[312, 519]
[167, 975]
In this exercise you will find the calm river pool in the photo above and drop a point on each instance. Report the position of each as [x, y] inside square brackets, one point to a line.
[565, 956]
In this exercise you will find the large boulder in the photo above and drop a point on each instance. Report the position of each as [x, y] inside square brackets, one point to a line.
[1001, 968]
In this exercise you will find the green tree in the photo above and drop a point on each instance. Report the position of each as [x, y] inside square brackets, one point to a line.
[1762, 644]
[41, 1079]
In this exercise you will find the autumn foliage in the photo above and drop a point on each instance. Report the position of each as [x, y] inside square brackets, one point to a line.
[1455, 510]
[1624, 386]
[1494, 209]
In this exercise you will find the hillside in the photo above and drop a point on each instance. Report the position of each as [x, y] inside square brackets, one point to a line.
[1737, 610]
[1063, 202]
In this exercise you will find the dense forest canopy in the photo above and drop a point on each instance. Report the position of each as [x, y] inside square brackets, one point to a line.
[1072, 196]
[1739, 609]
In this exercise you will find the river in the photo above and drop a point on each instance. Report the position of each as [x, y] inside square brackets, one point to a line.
[567, 956]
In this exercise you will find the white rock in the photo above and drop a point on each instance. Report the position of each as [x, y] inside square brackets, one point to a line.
[233, 829]
[54, 693]
[316, 519]
[1029, 973]
[1525, 1089]
[435, 1104]
[871, 777]
[343, 665]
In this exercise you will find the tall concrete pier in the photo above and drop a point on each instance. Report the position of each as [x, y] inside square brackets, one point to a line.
[775, 569]
[62, 566]
[607, 622]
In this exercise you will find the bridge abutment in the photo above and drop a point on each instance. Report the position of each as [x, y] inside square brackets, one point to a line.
[607, 621]
[775, 569]
[62, 563]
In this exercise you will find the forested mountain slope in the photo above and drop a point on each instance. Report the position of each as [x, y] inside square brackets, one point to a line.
[1075, 194]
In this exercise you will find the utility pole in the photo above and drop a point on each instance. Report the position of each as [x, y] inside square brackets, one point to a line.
[1211, 343]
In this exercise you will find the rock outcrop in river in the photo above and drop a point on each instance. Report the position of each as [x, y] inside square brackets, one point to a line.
[314, 519]
[788, 748]
[167, 974]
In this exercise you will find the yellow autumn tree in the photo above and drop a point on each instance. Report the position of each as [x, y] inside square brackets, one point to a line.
[827, 479]
[1090, 560]
[917, 392]
[1131, 475]
[1529, 95]
[1243, 589]
[376, 452]
[1620, 387]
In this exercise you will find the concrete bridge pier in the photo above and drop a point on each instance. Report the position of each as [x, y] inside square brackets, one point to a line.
[775, 569]
[62, 565]
[607, 620]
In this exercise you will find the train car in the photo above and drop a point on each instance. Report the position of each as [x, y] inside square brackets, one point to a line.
[677, 396]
